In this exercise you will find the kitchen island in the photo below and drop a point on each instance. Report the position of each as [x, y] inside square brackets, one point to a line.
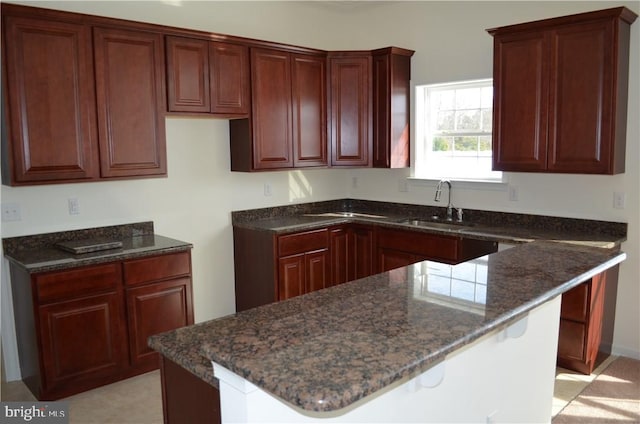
[328, 354]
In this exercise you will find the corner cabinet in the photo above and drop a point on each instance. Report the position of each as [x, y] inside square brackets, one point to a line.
[560, 93]
[84, 102]
[86, 327]
[287, 125]
[391, 107]
[207, 77]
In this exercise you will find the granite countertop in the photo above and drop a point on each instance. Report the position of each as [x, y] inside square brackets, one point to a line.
[38, 253]
[483, 225]
[325, 350]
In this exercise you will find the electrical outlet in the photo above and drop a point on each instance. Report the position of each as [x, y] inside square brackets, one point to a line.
[11, 212]
[513, 193]
[74, 206]
[354, 182]
[619, 200]
[267, 189]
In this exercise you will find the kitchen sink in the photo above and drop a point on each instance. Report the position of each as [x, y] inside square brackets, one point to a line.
[346, 215]
[440, 225]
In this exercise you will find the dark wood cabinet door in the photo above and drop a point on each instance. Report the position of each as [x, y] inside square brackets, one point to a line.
[83, 343]
[229, 76]
[350, 104]
[291, 276]
[129, 72]
[582, 98]
[51, 105]
[317, 270]
[363, 252]
[188, 75]
[352, 254]
[309, 107]
[391, 108]
[389, 259]
[520, 105]
[155, 308]
[340, 255]
[271, 109]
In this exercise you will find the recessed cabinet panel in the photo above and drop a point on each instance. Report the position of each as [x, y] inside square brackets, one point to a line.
[51, 119]
[580, 131]
[188, 75]
[154, 309]
[82, 340]
[229, 76]
[351, 114]
[520, 103]
[309, 110]
[130, 94]
[271, 123]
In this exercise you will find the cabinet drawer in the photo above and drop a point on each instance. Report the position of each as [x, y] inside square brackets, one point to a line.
[76, 283]
[574, 303]
[292, 244]
[144, 270]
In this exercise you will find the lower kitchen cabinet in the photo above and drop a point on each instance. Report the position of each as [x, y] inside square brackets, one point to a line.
[85, 327]
[396, 248]
[351, 252]
[586, 322]
[303, 263]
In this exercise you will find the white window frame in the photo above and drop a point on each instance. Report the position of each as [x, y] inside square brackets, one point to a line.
[422, 170]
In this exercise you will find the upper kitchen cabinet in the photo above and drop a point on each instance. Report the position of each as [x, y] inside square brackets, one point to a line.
[50, 101]
[84, 101]
[287, 125]
[207, 77]
[391, 109]
[350, 108]
[129, 72]
[560, 93]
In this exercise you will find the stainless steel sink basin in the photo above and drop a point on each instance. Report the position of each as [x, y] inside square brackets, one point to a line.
[440, 225]
[346, 215]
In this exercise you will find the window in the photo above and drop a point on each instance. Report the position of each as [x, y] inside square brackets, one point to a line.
[454, 131]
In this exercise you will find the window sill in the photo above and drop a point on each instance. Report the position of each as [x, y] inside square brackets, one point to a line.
[490, 185]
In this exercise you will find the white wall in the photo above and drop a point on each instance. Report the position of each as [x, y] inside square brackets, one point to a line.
[195, 201]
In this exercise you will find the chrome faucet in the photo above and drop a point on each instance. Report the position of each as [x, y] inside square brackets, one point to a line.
[439, 193]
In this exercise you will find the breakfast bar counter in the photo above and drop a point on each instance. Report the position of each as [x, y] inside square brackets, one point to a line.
[327, 354]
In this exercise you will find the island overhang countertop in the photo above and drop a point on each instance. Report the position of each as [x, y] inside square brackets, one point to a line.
[328, 349]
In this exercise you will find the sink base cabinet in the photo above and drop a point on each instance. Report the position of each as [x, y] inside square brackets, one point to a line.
[397, 248]
[83, 328]
[271, 267]
[586, 322]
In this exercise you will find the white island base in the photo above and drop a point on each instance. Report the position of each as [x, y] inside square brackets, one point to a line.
[506, 376]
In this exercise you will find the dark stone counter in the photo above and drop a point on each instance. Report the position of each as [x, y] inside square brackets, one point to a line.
[38, 253]
[327, 349]
[477, 224]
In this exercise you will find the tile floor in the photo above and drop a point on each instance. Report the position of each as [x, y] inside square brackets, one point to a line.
[138, 400]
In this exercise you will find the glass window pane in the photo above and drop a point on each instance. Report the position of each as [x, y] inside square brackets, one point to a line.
[487, 119]
[445, 121]
[442, 144]
[468, 98]
[484, 143]
[487, 98]
[442, 99]
[466, 144]
[468, 120]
